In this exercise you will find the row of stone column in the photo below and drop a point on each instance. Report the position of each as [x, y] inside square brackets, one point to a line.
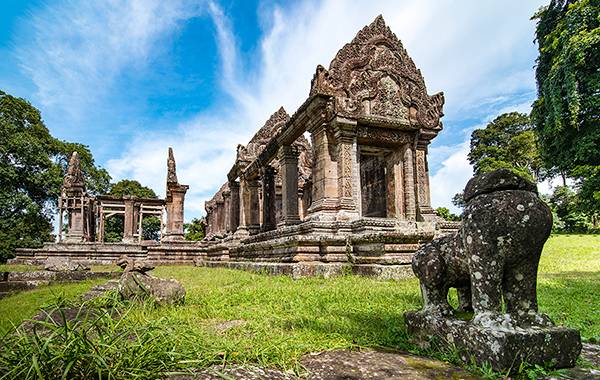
[241, 203]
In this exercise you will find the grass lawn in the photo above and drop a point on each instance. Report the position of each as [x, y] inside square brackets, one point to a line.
[278, 319]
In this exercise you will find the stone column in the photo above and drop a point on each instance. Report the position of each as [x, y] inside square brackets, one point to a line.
[348, 181]
[234, 206]
[226, 209]
[426, 212]
[324, 175]
[244, 211]
[395, 185]
[175, 217]
[268, 191]
[410, 210]
[75, 233]
[220, 216]
[253, 209]
[288, 161]
[128, 222]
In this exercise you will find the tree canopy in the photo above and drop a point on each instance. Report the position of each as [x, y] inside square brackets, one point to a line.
[32, 167]
[507, 142]
[195, 230]
[132, 188]
[567, 111]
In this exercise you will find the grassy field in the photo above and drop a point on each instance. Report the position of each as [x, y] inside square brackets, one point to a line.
[277, 319]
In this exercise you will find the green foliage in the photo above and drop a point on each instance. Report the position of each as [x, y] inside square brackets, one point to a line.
[458, 200]
[32, 167]
[507, 142]
[195, 230]
[567, 111]
[151, 227]
[127, 187]
[569, 212]
[446, 214]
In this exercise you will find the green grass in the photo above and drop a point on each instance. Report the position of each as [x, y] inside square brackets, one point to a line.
[20, 306]
[282, 318]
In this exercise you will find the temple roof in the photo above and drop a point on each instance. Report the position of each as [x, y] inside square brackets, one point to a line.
[373, 76]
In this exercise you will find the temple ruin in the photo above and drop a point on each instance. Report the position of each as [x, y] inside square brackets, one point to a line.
[342, 184]
[357, 194]
[84, 238]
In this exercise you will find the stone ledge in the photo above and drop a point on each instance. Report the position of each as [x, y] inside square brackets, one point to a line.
[307, 269]
[504, 349]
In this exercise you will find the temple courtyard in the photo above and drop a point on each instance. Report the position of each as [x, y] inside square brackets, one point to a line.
[234, 317]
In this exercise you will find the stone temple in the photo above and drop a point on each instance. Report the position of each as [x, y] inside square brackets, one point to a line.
[340, 185]
[356, 192]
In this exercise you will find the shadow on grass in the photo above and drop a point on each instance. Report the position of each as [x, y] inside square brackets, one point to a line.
[572, 299]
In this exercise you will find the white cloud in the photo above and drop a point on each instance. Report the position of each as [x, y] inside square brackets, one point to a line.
[77, 49]
[477, 52]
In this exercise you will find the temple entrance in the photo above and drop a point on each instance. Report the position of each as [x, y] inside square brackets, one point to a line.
[373, 184]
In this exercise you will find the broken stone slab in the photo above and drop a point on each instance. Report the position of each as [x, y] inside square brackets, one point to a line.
[136, 284]
[377, 365]
[501, 347]
[56, 264]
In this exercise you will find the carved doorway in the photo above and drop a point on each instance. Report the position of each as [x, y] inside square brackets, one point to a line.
[373, 184]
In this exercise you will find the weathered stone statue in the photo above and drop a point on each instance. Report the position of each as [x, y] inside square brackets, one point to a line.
[493, 257]
[135, 283]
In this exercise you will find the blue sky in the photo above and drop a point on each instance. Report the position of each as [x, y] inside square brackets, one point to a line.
[129, 78]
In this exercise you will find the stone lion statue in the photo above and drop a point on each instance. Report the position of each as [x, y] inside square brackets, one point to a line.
[493, 256]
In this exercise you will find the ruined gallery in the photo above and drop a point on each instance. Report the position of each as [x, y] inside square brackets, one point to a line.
[340, 185]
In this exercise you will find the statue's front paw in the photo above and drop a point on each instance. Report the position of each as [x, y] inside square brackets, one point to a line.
[533, 318]
[494, 320]
[439, 310]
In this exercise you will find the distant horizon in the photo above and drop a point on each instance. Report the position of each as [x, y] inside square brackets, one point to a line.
[204, 76]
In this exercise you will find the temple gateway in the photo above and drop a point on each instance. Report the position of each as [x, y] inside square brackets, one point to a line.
[342, 184]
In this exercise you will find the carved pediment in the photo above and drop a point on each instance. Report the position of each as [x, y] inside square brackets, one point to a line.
[373, 76]
[263, 136]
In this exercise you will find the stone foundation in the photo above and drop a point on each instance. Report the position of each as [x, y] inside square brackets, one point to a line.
[502, 348]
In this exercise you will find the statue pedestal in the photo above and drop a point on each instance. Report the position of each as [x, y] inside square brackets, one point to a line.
[503, 348]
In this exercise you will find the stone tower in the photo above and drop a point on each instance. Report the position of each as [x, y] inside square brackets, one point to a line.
[174, 202]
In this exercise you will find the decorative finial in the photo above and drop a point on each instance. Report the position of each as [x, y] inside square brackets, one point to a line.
[74, 176]
[171, 169]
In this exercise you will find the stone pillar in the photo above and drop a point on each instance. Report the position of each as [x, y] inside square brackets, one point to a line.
[128, 222]
[426, 212]
[410, 210]
[395, 185]
[253, 209]
[325, 175]
[226, 209]
[268, 191]
[244, 212]
[348, 181]
[175, 218]
[75, 233]
[288, 161]
[234, 206]
[174, 202]
[220, 216]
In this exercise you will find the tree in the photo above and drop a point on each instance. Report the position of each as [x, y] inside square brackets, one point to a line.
[32, 167]
[445, 213]
[113, 228]
[567, 111]
[195, 230]
[568, 216]
[507, 142]
[132, 188]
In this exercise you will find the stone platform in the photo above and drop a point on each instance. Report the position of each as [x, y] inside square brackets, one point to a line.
[376, 247]
[503, 348]
[171, 253]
